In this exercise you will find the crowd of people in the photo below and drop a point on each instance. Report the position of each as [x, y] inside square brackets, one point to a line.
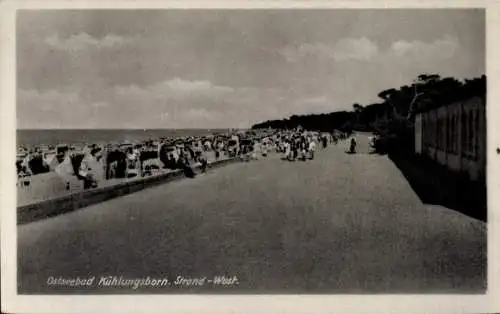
[300, 146]
[143, 159]
[297, 144]
[129, 160]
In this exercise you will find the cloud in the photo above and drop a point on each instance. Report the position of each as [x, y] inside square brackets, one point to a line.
[195, 86]
[100, 104]
[104, 68]
[313, 105]
[173, 103]
[357, 49]
[83, 41]
[316, 100]
[49, 100]
[443, 48]
[404, 60]
[345, 49]
[364, 49]
[195, 103]
[58, 109]
[318, 81]
[173, 90]
[200, 114]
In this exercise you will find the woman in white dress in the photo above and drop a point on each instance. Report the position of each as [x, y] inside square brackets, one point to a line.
[288, 150]
[263, 148]
[312, 148]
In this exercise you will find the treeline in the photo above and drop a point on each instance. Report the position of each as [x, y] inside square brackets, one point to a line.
[393, 115]
[323, 122]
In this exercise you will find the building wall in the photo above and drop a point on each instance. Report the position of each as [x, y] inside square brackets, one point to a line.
[451, 133]
[474, 141]
[455, 136]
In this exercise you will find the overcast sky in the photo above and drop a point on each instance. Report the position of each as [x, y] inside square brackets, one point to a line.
[227, 68]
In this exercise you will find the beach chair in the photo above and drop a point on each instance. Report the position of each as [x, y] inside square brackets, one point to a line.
[23, 180]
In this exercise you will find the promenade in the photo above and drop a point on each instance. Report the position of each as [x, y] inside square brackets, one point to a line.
[337, 224]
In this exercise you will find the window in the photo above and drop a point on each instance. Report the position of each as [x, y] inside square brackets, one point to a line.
[425, 130]
[442, 134]
[435, 132]
[428, 127]
[472, 134]
[449, 131]
[435, 135]
[446, 124]
[479, 135]
[430, 131]
[438, 133]
[449, 138]
[455, 134]
[463, 135]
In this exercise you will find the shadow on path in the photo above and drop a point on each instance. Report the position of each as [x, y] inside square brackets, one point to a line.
[436, 185]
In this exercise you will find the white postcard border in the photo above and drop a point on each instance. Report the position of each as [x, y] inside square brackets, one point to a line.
[11, 302]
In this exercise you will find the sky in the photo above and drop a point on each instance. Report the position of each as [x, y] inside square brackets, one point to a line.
[228, 68]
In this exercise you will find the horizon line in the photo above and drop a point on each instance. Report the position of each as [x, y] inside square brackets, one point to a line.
[125, 128]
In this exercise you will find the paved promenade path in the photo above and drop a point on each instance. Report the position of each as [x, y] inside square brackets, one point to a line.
[340, 223]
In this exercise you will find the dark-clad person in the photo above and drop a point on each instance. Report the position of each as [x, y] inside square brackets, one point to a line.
[352, 147]
[191, 152]
[186, 167]
[294, 148]
[217, 150]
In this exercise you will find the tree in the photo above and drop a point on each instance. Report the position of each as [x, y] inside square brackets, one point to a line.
[393, 116]
[357, 107]
[416, 94]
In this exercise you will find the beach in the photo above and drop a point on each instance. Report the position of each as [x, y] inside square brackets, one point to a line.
[50, 185]
[141, 152]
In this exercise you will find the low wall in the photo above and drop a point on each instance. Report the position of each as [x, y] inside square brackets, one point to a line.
[60, 205]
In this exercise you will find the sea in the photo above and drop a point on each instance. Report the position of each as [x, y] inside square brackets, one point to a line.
[30, 138]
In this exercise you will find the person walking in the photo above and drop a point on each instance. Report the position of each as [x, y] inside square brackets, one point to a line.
[353, 144]
[264, 148]
[293, 149]
[312, 149]
[304, 148]
[204, 163]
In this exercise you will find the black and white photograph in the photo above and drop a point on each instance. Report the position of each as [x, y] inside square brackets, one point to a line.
[230, 151]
